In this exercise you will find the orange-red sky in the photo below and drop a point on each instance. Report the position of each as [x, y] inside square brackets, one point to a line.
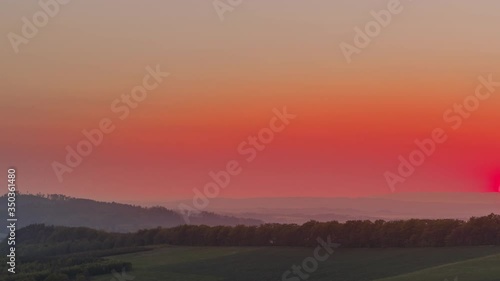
[353, 119]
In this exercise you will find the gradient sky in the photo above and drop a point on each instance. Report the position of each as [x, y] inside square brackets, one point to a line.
[353, 120]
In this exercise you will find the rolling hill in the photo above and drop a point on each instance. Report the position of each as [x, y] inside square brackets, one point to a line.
[67, 211]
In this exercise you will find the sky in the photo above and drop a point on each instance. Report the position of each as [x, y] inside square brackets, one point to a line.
[228, 74]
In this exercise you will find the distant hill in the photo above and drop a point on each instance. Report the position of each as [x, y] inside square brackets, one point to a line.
[452, 205]
[115, 217]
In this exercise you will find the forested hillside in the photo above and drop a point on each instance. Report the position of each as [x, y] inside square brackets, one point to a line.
[115, 217]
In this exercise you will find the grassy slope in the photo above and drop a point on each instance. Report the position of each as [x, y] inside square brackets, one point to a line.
[480, 269]
[260, 264]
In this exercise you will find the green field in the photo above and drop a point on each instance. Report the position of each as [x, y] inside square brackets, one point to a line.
[260, 264]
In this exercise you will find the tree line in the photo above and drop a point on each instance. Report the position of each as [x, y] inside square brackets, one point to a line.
[351, 234]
